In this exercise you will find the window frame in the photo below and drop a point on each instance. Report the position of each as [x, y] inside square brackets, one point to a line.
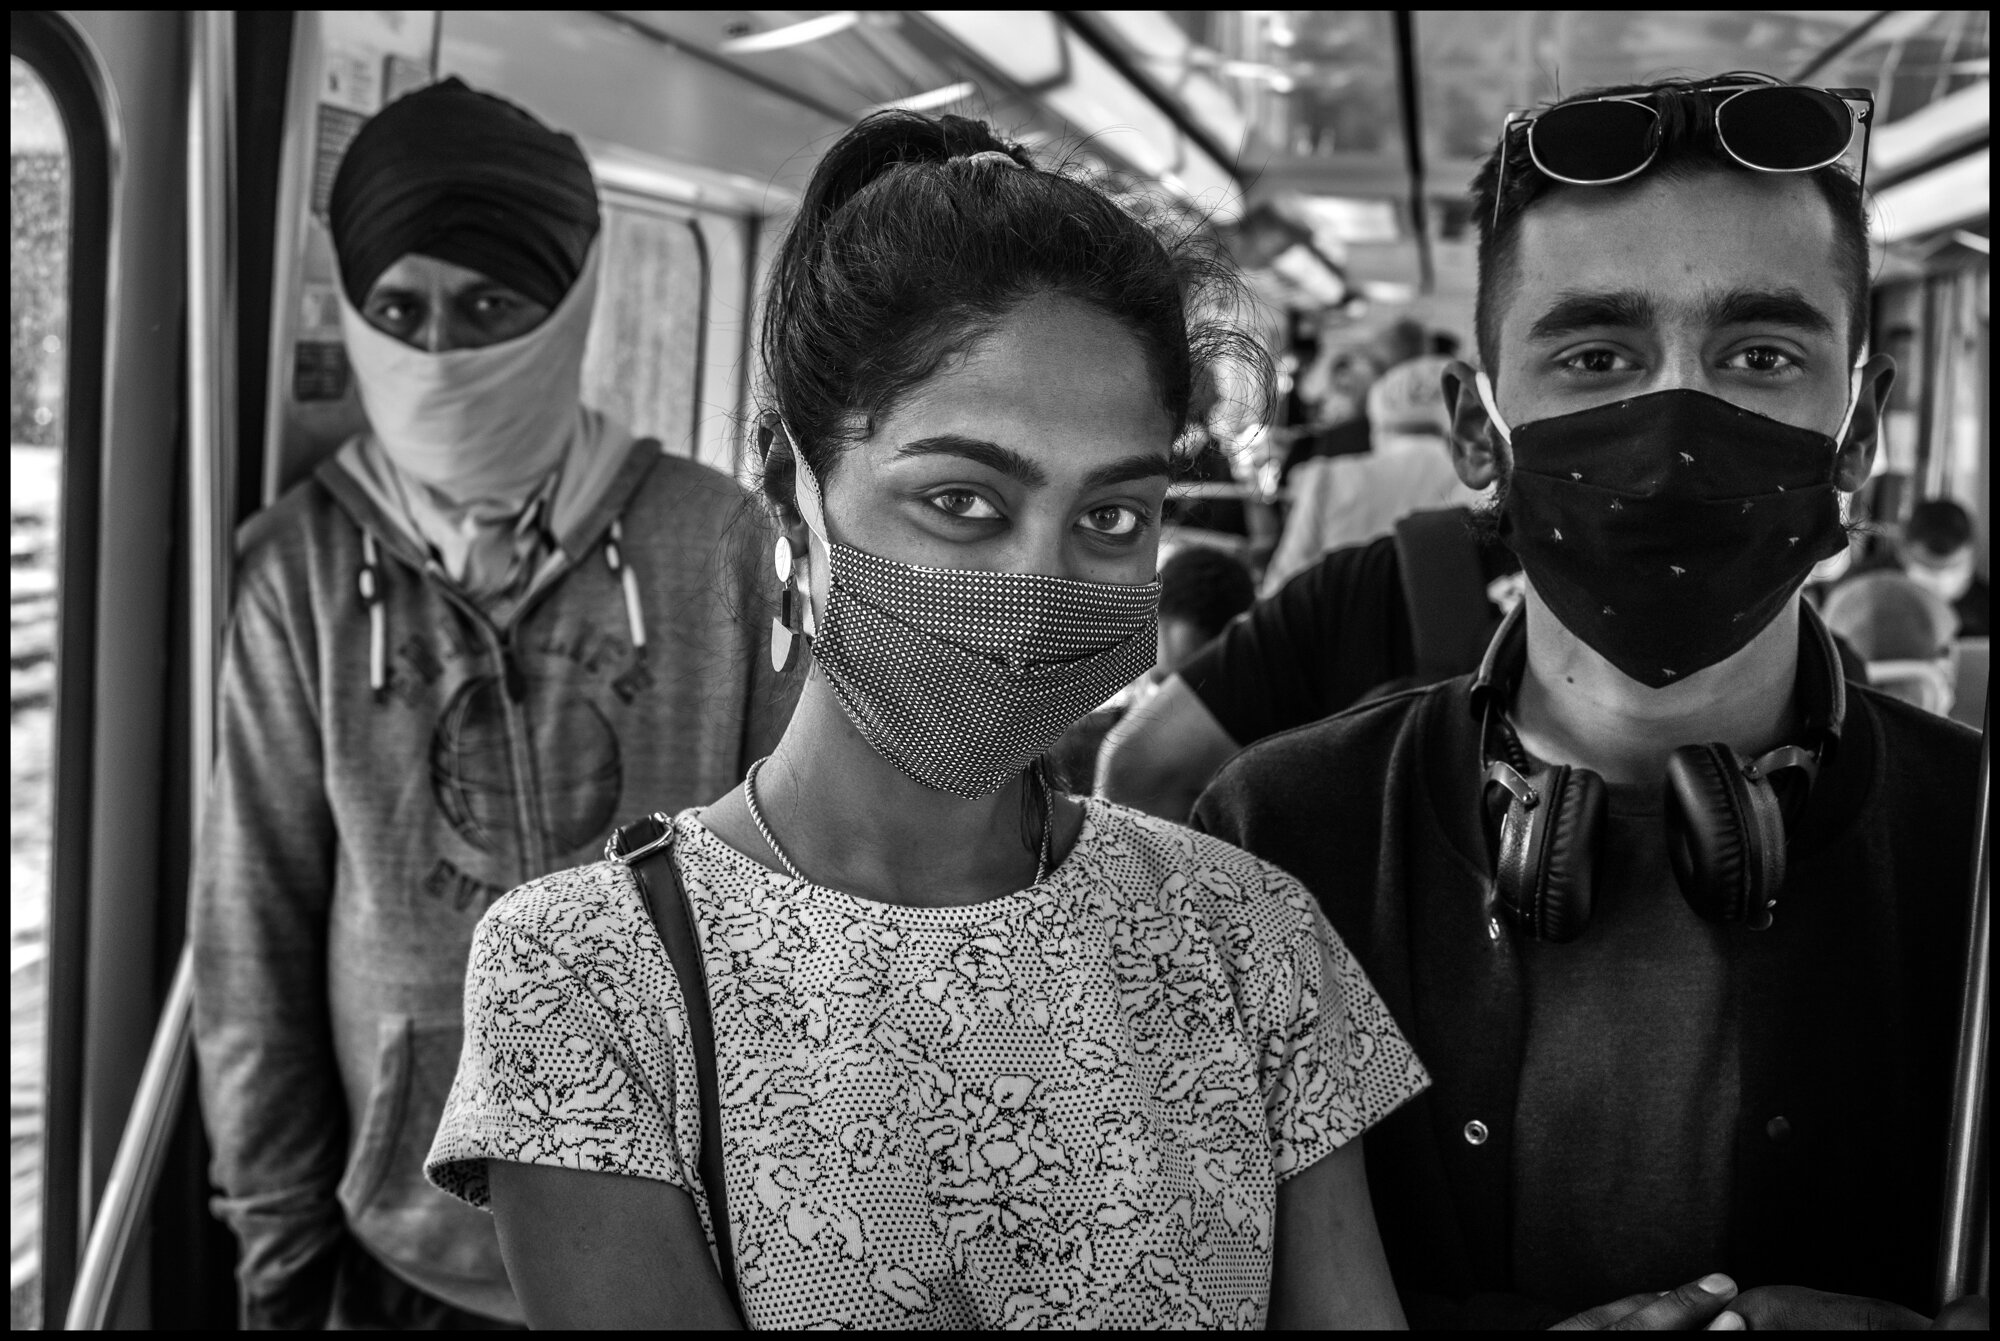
[667, 210]
[61, 58]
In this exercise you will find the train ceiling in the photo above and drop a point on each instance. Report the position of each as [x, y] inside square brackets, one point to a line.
[1358, 129]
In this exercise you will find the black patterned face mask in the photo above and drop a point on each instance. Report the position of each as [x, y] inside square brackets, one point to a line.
[1666, 531]
[961, 677]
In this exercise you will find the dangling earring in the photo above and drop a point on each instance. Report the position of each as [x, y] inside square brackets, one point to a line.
[785, 624]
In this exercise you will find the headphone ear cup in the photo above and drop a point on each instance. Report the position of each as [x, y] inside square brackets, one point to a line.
[1725, 836]
[1545, 855]
[1569, 857]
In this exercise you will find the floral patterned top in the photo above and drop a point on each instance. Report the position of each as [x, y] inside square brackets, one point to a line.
[1070, 1105]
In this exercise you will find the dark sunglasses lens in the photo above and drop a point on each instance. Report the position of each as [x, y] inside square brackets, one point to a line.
[1785, 129]
[1593, 141]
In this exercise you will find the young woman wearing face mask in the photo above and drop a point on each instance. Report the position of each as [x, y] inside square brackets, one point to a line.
[445, 642]
[988, 1055]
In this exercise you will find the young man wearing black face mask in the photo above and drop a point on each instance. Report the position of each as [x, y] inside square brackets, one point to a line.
[1673, 919]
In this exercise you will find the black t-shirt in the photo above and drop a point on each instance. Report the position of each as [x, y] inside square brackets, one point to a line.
[1846, 1010]
[1629, 1081]
[1333, 633]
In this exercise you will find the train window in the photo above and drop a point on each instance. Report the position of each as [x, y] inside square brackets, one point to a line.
[645, 361]
[39, 171]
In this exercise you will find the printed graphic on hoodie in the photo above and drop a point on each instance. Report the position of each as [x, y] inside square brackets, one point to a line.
[472, 773]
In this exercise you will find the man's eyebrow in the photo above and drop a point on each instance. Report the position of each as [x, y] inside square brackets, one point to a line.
[1575, 311]
[1131, 468]
[1767, 307]
[992, 455]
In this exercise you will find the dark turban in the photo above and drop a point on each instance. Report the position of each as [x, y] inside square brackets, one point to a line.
[464, 177]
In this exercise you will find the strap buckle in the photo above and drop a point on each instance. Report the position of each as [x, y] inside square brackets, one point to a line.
[614, 845]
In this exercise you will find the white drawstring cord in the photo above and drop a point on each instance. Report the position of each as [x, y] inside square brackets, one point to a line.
[378, 618]
[628, 580]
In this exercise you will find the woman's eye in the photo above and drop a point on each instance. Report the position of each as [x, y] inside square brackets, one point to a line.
[965, 505]
[1599, 361]
[1762, 359]
[1114, 520]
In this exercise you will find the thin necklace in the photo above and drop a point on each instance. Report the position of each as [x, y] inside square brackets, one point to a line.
[791, 867]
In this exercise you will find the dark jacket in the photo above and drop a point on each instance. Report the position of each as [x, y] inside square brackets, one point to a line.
[1851, 999]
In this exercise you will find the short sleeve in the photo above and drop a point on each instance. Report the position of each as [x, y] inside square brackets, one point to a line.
[563, 1062]
[1311, 648]
[1332, 1062]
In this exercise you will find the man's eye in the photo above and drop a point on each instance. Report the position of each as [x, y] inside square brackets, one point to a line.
[494, 305]
[1598, 361]
[1114, 520]
[1763, 359]
[392, 312]
[965, 505]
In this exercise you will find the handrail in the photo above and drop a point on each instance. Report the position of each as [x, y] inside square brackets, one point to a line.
[1964, 1263]
[212, 408]
[135, 1170]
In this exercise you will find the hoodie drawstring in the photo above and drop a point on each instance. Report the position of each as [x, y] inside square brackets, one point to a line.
[370, 582]
[627, 579]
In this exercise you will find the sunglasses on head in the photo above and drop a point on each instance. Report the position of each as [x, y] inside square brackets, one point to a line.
[1765, 126]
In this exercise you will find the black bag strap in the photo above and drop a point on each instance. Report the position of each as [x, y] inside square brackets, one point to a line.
[646, 848]
[1444, 589]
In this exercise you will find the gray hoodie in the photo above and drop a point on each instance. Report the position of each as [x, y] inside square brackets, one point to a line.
[387, 767]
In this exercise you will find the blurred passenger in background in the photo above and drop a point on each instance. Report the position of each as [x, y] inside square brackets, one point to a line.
[1903, 632]
[1670, 907]
[1409, 608]
[1201, 589]
[1337, 501]
[1334, 388]
[1937, 554]
[489, 625]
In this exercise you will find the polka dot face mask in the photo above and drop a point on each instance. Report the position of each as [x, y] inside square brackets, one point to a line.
[961, 677]
[1667, 530]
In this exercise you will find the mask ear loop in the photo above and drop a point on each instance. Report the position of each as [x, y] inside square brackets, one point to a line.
[1484, 386]
[1853, 400]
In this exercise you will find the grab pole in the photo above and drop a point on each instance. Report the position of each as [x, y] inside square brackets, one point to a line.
[1965, 1241]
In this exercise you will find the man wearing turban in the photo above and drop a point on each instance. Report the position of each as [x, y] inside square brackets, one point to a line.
[488, 629]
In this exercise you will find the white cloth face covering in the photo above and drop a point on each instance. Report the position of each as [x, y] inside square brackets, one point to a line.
[477, 423]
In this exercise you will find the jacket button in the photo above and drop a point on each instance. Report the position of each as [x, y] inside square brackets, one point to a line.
[1475, 1132]
[1779, 1130]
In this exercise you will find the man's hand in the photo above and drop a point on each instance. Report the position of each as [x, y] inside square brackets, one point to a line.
[1692, 1307]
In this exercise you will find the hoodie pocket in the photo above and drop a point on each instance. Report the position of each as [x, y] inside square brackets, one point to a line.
[432, 1240]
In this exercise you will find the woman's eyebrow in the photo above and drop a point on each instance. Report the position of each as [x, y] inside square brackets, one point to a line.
[1131, 468]
[992, 455]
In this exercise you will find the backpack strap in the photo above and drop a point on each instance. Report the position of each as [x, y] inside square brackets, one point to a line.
[646, 849]
[1444, 589]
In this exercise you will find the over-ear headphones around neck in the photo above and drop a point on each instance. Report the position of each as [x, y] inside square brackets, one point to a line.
[1728, 817]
